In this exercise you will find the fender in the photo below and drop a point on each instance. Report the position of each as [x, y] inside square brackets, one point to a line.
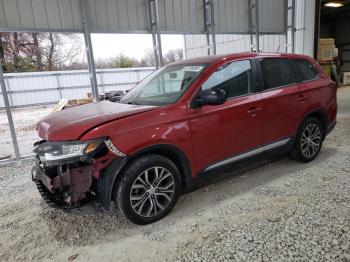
[106, 181]
[318, 113]
[105, 184]
[176, 155]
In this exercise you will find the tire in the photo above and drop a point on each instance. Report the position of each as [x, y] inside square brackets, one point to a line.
[305, 150]
[140, 196]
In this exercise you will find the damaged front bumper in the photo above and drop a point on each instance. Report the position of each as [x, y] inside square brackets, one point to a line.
[68, 184]
[63, 189]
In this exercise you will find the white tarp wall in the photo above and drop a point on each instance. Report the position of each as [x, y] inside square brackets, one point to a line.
[196, 45]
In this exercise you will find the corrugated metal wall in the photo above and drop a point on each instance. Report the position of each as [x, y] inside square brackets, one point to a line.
[46, 87]
[305, 26]
[196, 45]
[184, 16]
[131, 16]
[118, 16]
[272, 16]
[231, 16]
[40, 14]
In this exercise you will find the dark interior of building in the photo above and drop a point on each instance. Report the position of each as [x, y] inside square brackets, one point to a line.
[335, 23]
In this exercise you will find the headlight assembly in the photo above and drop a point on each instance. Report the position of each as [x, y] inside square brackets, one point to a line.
[53, 151]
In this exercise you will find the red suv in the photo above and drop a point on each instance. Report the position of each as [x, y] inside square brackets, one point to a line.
[184, 121]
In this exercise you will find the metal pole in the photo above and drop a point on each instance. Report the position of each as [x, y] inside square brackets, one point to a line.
[156, 37]
[10, 93]
[250, 24]
[293, 26]
[286, 14]
[212, 26]
[209, 25]
[102, 83]
[208, 43]
[89, 50]
[160, 52]
[185, 48]
[59, 85]
[206, 25]
[159, 41]
[8, 113]
[155, 49]
[257, 26]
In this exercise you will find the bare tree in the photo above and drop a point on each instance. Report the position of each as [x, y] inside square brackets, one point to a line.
[14, 44]
[148, 58]
[173, 55]
[2, 52]
[72, 53]
[21, 52]
[37, 52]
[50, 62]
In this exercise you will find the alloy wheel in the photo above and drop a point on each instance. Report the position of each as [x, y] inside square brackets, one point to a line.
[152, 191]
[311, 140]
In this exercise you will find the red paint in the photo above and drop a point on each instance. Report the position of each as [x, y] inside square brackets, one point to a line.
[205, 134]
[69, 124]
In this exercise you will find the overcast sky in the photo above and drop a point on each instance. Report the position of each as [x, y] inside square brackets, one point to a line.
[110, 45]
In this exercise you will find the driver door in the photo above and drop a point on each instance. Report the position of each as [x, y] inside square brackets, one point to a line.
[226, 132]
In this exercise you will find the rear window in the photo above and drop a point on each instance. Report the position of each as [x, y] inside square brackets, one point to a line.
[277, 72]
[305, 69]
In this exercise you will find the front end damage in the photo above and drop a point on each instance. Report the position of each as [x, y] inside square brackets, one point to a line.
[68, 182]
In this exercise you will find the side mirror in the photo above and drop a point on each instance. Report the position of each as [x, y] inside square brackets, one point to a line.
[210, 97]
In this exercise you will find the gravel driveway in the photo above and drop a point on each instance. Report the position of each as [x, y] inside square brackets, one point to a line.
[271, 210]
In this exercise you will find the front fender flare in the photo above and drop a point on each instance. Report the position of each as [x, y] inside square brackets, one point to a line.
[106, 181]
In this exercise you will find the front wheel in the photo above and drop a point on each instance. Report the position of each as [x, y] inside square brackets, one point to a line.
[309, 140]
[149, 189]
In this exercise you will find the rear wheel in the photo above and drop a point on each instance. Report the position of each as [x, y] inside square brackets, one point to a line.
[149, 189]
[309, 140]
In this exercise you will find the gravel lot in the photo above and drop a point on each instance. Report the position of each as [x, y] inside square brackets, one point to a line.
[271, 210]
[25, 120]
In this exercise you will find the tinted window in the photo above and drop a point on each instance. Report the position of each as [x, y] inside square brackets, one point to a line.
[235, 78]
[277, 72]
[305, 70]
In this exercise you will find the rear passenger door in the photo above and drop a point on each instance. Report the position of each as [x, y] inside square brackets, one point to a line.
[283, 99]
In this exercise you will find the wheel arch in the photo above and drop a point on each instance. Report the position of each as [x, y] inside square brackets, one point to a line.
[321, 115]
[173, 153]
[110, 176]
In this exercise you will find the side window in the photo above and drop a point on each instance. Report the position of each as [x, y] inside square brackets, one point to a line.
[305, 70]
[277, 72]
[234, 78]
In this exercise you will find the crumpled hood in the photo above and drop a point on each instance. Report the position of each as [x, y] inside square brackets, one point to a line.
[71, 123]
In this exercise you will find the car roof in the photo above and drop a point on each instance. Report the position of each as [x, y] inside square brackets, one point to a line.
[210, 59]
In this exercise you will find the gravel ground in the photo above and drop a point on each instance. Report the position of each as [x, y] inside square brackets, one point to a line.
[270, 210]
[25, 120]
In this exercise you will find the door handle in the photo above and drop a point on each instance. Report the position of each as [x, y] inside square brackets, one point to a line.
[253, 110]
[301, 98]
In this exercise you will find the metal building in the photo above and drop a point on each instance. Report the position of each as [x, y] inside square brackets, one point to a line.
[208, 26]
[299, 17]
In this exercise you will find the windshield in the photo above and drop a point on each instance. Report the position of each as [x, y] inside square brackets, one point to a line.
[164, 86]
